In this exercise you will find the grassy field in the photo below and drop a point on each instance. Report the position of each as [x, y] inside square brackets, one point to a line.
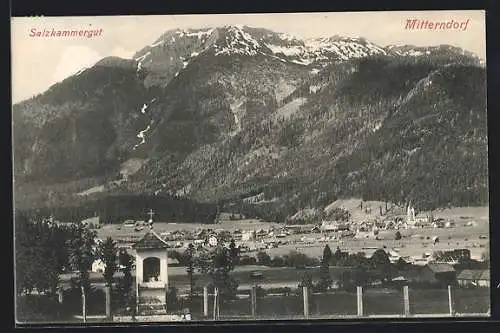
[375, 303]
[273, 277]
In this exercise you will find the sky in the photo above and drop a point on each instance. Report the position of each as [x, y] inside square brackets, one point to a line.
[38, 63]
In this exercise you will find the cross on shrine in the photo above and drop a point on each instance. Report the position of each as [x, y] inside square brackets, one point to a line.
[151, 213]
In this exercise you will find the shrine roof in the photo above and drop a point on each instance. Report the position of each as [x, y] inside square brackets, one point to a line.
[150, 241]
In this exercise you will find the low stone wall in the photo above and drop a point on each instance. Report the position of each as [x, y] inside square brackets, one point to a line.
[152, 318]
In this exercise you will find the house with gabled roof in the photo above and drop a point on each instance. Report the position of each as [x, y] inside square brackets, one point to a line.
[433, 273]
[474, 278]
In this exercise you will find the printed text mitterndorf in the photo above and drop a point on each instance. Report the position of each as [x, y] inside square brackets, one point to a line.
[417, 24]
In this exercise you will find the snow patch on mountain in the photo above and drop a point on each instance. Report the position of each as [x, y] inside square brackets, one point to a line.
[302, 62]
[195, 33]
[81, 71]
[142, 136]
[288, 37]
[141, 59]
[322, 49]
[237, 41]
[158, 43]
[286, 50]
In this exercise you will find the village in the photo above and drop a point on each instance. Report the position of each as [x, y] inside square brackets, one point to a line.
[415, 238]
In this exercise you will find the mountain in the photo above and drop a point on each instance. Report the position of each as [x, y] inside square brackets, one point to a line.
[174, 50]
[432, 51]
[265, 121]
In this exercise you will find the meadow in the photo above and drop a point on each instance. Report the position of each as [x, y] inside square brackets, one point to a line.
[376, 302]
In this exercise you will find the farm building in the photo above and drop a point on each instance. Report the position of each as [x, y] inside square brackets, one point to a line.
[129, 223]
[237, 235]
[248, 235]
[394, 256]
[399, 281]
[452, 257]
[261, 233]
[474, 278]
[333, 226]
[433, 273]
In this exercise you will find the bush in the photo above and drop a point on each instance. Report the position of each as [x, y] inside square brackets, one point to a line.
[173, 301]
[398, 235]
[178, 256]
[263, 258]
[280, 290]
[122, 306]
[278, 262]
[299, 260]
[40, 308]
[247, 260]
[95, 299]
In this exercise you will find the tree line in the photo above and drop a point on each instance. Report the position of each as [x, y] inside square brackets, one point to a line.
[44, 251]
[117, 208]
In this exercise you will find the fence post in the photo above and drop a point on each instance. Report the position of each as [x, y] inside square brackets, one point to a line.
[360, 300]
[254, 300]
[305, 295]
[84, 305]
[60, 295]
[137, 296]
[205, 301]
[216, 291]
[166, 296]
[450, 302]
[109, 315]
[406, 301]
[218, 305]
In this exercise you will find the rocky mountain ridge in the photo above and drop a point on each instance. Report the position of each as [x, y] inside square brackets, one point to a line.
[231, 112]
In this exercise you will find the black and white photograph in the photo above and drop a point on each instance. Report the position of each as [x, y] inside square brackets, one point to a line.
[248, 167]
